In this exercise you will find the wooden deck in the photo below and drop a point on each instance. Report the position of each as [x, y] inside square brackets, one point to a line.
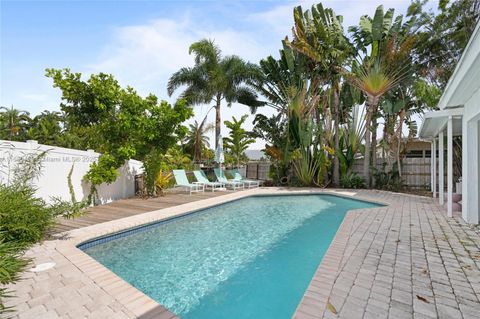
[128, 207]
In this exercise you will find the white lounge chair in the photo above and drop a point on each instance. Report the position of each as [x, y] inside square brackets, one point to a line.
[249, 182]
[222, 179]
[202, 178]
[181, 180]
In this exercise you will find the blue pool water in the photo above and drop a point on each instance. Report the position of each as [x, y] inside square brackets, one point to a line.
[251, 258]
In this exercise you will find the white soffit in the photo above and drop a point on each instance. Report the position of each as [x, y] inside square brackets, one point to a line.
[436, 121]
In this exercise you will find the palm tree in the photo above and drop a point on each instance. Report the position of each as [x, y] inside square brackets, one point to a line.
[374, 81]
[13, 123]
[385, 67]
[319, 35]
[216, 78]
[238, 140]
[278, 77]
[196, 139]
[46, 128]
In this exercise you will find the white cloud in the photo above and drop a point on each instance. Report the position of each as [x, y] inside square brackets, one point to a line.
[145, 56]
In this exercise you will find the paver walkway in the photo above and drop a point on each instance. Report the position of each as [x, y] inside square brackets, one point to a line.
[405, 260]
[408, 260]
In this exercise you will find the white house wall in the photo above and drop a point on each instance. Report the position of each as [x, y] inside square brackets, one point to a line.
[471, 159]
[56, 166]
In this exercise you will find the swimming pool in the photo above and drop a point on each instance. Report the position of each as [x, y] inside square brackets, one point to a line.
[250, 258]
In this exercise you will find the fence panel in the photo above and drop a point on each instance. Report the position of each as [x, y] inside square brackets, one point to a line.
[416, 172]
[258, 170]
[252, 170]
[56, 166]
[263, 169]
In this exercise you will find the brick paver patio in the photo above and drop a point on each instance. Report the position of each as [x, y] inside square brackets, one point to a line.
[404, 260]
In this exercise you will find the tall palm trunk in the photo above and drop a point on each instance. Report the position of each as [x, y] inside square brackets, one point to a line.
[218, 120]
[197, 152]
[371, 106]
[399, 140]
[336, 163]
[374, 141]
[366, 158]
[385, 138]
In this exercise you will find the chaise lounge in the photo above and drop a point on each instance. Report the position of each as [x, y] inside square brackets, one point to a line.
[249, 182]
[181, 180]
[202, 178]
[222, 179]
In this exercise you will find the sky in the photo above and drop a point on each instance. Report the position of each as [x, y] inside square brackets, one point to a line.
[140, 42]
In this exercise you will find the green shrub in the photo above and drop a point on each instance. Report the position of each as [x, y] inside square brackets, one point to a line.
[152, 165]
[352, 180]
[156, 162]
[11, 265]
[388, 179]
[24, 218]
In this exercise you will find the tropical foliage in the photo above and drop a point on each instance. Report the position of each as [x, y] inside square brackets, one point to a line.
[379, 63]
[238, 140]
[332, 91]
[196, 141]
[13, 123]
[215, 78]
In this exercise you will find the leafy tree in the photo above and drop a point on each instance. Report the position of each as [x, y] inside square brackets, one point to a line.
[271, 129]
[46, 128]
[117, 122]
[175, 158]
[216, 78]
[306, 150]
[443, 35]
[13, 123]
[196, 140]
[238, 140]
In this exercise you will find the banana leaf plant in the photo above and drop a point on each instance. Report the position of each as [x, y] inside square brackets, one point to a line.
[351, 138]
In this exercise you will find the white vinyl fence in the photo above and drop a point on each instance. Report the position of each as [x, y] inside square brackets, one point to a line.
[56, 166]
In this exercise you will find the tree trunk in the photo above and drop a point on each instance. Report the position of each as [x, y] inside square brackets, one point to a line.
[374, 144]
[336, 163]
[399, 141]
[366, 158]
[371, 106]
[385, 138]
[196, 147]
[218, 120]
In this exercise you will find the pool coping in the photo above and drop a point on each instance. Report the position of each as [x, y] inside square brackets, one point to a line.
[315, 299]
